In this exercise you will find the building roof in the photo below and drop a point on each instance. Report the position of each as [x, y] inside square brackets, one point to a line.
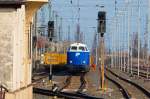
[12, 1]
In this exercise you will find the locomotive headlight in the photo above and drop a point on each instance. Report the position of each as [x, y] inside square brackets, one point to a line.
[84, 62]
[42, 55]
[70, 61]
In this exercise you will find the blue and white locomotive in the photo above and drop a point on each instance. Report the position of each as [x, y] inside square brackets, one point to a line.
[78, 57]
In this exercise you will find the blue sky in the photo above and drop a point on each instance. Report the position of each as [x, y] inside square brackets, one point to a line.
[88, 15]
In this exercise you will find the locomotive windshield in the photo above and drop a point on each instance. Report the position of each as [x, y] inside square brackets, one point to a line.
[74, 48]
[82, 48]
[78, 47]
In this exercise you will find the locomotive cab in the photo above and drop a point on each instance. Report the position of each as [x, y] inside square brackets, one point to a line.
[78, 57]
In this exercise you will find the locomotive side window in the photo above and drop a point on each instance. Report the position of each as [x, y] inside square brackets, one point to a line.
[86, 49]
[82, 48]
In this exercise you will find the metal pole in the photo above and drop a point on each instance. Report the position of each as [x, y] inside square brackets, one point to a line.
[102, 63]
[147, 47]
[124, 41]
[50, 73]
[96, 48]
[61, 31]
[115, 44]
[57, 27]
[69, 33]
[139, 37]
[112, 61]
[114, 35]
[131, 49]
[148, 38]
[50, 9]
[112, 56]
[128, 36]
[121, 59]
[131, 56]
[119, 47]
[50, 18]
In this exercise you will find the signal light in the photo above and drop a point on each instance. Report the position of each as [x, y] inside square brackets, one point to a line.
[50, 29]
[101, 22]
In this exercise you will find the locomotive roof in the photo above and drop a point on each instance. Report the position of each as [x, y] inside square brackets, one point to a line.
[78, 44]
[79, 47]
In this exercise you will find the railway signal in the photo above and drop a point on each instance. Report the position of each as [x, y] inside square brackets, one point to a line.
[101, 22]
[102, 29]
[50, 30]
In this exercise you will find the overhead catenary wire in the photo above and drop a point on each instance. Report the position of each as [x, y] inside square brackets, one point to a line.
[82, 19]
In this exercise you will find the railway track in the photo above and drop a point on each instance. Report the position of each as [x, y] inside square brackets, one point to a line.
[67, 95]
[141, 74]
[40, 76]
[121, 88]
[68, 82]
[83, 83]
[129, 88]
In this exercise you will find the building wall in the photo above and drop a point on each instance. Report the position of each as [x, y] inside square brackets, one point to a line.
[18, 68]
[25, 93]
[14, 68]
[7, 30]
[6, 52]
[15, 60]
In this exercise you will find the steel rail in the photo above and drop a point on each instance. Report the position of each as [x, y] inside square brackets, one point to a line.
[44, 75]
[52, 93]
[141, 74]
[67, 82]
[142, 89]
[63, 94]
[123, 90]
[82, 83]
